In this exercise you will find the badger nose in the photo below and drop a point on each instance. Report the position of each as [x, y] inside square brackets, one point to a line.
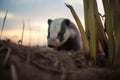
[52, 42]
[50, 45]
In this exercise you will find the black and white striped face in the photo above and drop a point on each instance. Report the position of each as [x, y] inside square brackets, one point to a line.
[58, 32]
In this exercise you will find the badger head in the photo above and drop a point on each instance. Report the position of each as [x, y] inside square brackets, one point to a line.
[59, 32]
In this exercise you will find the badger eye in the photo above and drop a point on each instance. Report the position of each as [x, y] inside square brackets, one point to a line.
[60, 34]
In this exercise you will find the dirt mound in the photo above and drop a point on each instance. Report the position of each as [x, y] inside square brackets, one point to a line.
[31, 63]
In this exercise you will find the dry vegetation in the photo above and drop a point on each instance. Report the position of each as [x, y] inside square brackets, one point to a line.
[19, 62]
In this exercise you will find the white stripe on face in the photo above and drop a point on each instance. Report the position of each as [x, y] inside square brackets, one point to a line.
[54, 30]
[55, 27]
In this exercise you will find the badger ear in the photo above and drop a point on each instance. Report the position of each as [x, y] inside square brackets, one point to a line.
[49, 21]
[67, 22]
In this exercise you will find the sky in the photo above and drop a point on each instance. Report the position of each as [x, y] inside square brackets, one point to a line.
[35, 14]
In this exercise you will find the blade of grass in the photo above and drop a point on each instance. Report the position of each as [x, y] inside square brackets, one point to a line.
[117, 48]
[83, 35]
[30, 34]
[100, 31]
[109, 29]
[23, 32]
[86, 7]
[3, 25]
[115, 6]
[92, 30]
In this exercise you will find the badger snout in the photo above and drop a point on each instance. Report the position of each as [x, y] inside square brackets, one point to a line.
[54, 42]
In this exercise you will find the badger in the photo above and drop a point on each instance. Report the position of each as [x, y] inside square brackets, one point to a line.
[63, 35]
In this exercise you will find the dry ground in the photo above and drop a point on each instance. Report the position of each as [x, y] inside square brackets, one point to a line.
[31, 63]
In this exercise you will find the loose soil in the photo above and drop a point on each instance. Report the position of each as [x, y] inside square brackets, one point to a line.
[19, 62]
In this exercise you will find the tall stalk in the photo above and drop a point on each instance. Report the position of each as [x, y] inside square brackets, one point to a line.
[30, 35]
[109, 39]
[83, 34]
[92, 30]
[109, 28]
[23, 32]
[3, 25]
[86, 7]
[115, 9]
[101, 37]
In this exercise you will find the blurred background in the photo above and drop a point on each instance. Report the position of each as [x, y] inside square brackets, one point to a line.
[33, 14]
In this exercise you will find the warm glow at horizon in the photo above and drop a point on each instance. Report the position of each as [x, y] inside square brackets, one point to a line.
[35, 17]
[37, 37]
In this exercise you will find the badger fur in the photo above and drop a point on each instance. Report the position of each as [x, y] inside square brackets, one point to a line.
[63, 35]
